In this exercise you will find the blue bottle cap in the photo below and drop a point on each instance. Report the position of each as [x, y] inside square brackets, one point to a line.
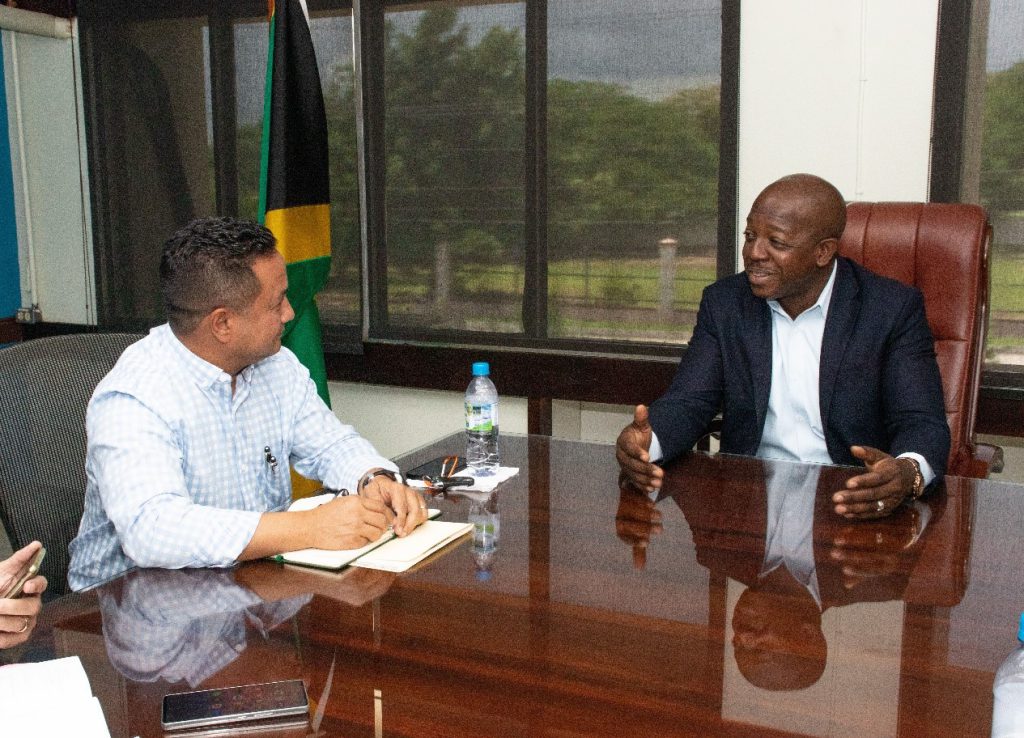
[1020, 629]
[481, 369]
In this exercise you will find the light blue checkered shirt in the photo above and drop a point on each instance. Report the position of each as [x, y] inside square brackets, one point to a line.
[184, 625]
[177, 466]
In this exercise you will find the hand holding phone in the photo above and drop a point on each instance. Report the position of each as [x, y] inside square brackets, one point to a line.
[16, 583]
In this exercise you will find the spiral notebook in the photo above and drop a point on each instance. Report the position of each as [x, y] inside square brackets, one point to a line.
[389, 552]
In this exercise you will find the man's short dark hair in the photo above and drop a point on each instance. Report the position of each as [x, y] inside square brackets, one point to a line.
[208, 264]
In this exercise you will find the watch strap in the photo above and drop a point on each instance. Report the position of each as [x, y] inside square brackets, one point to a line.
[374, 473]
[918, 489]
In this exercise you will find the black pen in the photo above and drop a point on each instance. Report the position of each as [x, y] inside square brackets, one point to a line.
[271, 459]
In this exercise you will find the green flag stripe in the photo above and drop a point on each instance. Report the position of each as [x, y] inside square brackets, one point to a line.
[306, 278]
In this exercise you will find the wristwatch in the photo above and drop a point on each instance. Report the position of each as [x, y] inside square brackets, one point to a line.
[369, 476]
[918, 489]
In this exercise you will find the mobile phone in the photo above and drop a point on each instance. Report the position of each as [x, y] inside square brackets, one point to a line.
[18, 585]
[294, 726]
[439, 468]
[234, 704]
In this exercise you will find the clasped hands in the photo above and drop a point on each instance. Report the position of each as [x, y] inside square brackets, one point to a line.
[874, 494]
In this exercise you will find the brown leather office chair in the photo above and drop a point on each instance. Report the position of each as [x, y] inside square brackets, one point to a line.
[943, 250]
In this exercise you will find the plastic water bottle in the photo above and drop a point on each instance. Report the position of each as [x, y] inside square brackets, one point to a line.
[482, 421]
[1008, 707]
[486, 533]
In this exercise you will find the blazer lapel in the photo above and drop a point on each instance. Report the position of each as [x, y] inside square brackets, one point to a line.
[843, 310]
[759, 349]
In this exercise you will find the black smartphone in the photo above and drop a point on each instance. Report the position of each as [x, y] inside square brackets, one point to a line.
[439, 468]
[234, 704]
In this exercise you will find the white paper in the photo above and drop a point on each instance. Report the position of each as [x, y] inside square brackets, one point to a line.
[27, 693]
[325, 559]
[399, 554]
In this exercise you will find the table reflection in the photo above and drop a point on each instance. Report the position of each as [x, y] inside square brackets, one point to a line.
[183, 625]
[187, 625]
[740, 604]
[770, 527]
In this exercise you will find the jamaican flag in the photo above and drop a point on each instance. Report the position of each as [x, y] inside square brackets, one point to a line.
[294, 188]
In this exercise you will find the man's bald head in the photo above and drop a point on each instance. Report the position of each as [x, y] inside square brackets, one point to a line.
[791, 240]
[820, 204]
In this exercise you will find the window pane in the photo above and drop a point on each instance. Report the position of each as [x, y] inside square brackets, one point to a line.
[251, 40]
[151, 160]
[1002, 178]
[633, 119]
[454, 116]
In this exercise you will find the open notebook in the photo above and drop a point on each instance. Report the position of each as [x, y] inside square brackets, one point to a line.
[389, 552]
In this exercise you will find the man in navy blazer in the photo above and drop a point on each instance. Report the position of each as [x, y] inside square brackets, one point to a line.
[809, 357]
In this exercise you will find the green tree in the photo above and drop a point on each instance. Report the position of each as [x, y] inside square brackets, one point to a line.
[454, 135]
[617, 160]
[1002, 150]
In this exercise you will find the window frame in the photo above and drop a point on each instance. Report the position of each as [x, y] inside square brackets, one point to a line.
[572, 369]
[1001, 400]
[535, 293]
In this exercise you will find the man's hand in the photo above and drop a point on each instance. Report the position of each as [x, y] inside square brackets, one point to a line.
[408, 507]
[18, 616]
[880, 490]
[348, 522]
[636, 520]
[867, 553]
[632, 452]
[343, 523]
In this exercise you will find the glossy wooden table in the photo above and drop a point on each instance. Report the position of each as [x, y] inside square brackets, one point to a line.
[591, 617]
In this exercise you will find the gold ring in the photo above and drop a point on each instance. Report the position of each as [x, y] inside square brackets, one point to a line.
[880, 504]
[24, 625]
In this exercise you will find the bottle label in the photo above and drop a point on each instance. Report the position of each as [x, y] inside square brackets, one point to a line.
[481, 418]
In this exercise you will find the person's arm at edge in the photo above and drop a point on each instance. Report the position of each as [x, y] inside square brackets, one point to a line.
[920, 432]
[344, 522]
[682, 415]
[919, 426]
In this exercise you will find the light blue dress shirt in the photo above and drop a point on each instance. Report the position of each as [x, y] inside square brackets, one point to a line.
[792, 427]
[789, 533]
[180, 469]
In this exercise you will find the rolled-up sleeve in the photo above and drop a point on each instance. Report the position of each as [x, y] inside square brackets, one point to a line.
[137, 468]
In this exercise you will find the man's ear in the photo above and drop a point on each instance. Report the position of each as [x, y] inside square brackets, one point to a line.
[826, 250]
[221, 324]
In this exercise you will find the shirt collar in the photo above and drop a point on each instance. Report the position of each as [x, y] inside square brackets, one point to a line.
[202, 372]
[823, 299]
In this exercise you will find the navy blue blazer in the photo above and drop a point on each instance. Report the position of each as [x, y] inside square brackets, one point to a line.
[879, 383]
